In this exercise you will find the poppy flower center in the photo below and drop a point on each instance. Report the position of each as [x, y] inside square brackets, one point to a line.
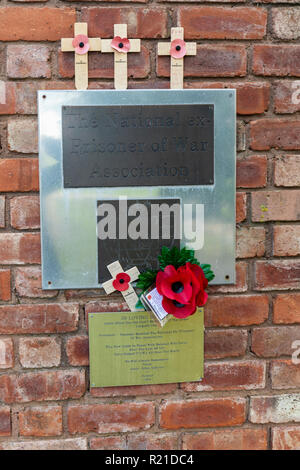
[121, 45]
[178, 304]
[177, 287]
[178, 48]
[121, 281]
[81, 44]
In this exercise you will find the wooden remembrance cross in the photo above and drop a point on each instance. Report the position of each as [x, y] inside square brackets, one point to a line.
[81, 50]
[129, 294]
[120, 58]
[164, 48]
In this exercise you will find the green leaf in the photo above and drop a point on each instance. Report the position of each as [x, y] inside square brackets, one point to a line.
[176, 257]
[208, 273]
[146, 279]
[139, 305]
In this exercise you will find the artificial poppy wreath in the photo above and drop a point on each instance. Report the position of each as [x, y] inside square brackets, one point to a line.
[181, 281]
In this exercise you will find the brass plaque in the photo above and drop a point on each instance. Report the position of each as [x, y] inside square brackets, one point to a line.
[145, 145]
[131, 349]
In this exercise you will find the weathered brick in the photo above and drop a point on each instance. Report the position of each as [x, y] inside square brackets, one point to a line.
[241, 207]
[22, 135]
[220, 343]
[276, 60]
[41, 421]
[20, 248]
[77, 349]
[108, 443]
[134, 390]
[19, 174]
[42, 386]
[25, 212]
[250, 242]
[5, 421]
[286, 308]
[287, 96]
[115, 417]
[106, 305]
[274, 341]
[36, 24]
[26, 93]
[222, 23]
[232, 439]
[28, 61]
[2, 211]
[287, 170]
[213, 60]
[286, 240]
[275, 205]
[240, 284]
[38, 318]
[251, 171]
[203, 413]
[5, 289]
[39, 352]
[275, 133]
[7, 98]
[285, 374]
[277, 275]
[241, 137]
[54, 444]
[236, 310]
[286, 23]
[241, 375]
[6, 353]
[28, 283]
[152, 441]
[275, 409]
[287, 438]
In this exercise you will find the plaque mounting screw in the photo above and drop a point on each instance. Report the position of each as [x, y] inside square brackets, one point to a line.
[227, 276]
[44, 96]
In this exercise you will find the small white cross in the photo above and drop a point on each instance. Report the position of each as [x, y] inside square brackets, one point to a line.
[129, 294]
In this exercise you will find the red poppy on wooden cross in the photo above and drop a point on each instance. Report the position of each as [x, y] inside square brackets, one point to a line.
[121, 281]
[81, 44]
[120, 45]
[177, 49]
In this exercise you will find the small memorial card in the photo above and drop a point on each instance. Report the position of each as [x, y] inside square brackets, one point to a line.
[129, 349]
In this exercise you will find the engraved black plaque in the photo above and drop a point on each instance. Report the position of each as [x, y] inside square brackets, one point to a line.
[143, 251]
[149, 145]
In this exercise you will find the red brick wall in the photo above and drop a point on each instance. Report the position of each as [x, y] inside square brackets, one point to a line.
[250, 397]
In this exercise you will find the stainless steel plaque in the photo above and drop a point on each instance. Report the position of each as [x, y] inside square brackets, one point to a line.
[70, 255]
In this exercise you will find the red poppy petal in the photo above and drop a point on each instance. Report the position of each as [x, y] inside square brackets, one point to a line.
[124, 276]
[178, 54]
[178, 312]
[201, 298]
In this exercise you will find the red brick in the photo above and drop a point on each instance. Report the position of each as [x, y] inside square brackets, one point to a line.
[287, 438]
[20, 248]
[241, 137]
[275, 409]
[28, 283]
[38, 318]
[39, 352]
[232, 439]
[150, 22]
[134, 390]
[286, 308]
[5, 290]
[152, 441]
[42, 386]
[287, 96]
[41, 421]
[241, 375]
[287, 170]
[22, 135]
[203, 413]
[275, 205]
[286, 240]
[28, 61]
[241, 207]
[251, 171]
[7, 98]
[78, 350]
[276, 60]
[220, 343]
[5, 422]
[250, 242]
[19, 174]
[26, 91]
[6, 353]
[285, 374]
[2, 211]
[213, 60]
[25, 212]
[115, 417]
[107, 305]
[236, 310]
[240, 284]
[223, 23]
[285, 23]
[274, 341]
[275, 133]
[36, 24]
[108, 443]
[53, 444]
[277, 275]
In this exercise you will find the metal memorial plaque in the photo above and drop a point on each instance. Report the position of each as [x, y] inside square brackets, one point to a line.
[130, 349]
[115, 146]
[191, 160]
